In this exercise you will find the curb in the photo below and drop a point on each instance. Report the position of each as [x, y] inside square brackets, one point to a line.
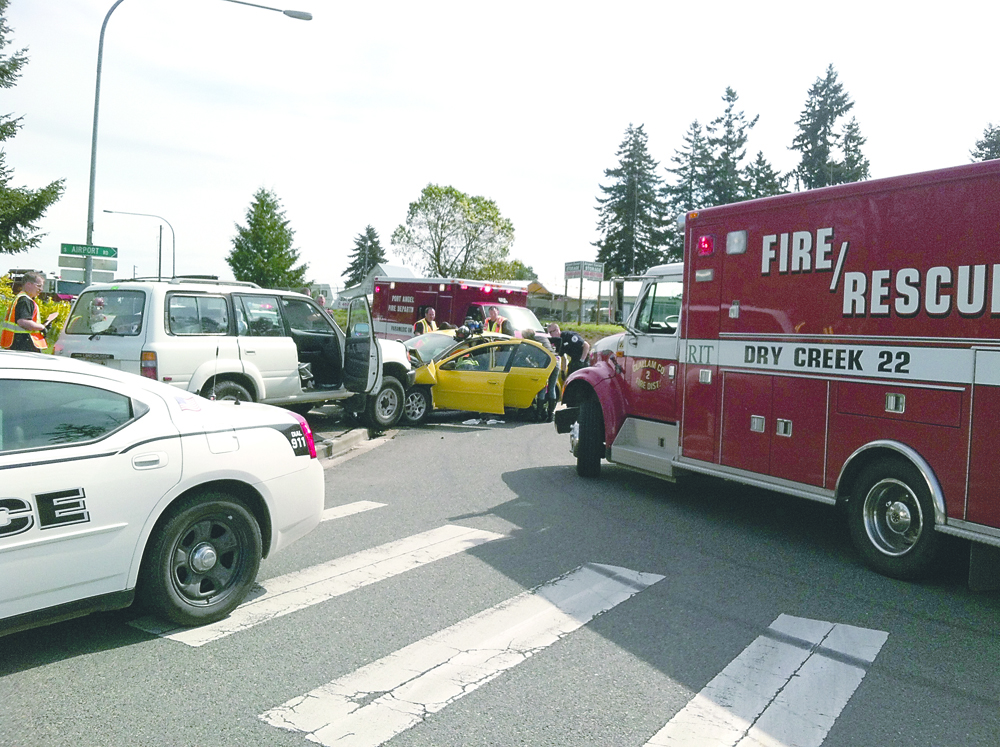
[334, 447]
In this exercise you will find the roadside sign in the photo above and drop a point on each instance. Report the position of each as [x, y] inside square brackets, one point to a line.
[585, 270]
[78, 276]
[69, 260]
[86, 250]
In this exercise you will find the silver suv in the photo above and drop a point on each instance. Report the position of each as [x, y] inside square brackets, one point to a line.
[236, 340]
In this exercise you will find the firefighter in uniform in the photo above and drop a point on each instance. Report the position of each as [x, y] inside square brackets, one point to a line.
[427, 324]
[22, 329]
[497, 323]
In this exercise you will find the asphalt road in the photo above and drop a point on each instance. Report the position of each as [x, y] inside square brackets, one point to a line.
[470, 589]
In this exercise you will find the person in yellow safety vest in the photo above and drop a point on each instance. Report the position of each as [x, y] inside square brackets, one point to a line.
[22, 329]
[427, 324]
[497, 323]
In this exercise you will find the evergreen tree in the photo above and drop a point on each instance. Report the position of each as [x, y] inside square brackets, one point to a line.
[368, 252]
[262, 250]
[631, 212]
[761, 180]
[20, 208]
[856, 166]
[727, 137]
[989, 147]
[820, 142]
[690, 190]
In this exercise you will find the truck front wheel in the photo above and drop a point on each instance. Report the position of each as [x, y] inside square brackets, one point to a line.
[590, 448]
[384, 409]
[891, 518]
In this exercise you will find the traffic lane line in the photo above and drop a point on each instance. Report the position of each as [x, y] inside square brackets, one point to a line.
[428, 675]
[297, 590]
[786, 688]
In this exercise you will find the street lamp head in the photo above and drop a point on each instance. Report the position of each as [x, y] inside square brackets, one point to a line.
[299, 14]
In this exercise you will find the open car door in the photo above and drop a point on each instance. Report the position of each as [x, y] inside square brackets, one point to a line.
[362, 355]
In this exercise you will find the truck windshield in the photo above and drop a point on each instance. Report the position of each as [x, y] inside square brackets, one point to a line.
[520, 317]
[107, 312]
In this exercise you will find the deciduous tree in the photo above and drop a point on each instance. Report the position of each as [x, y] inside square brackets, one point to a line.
[451, 234]
[262, 249]
[20, 208]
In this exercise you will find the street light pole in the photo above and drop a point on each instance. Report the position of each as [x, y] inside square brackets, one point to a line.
[89, 263]
[173, 238]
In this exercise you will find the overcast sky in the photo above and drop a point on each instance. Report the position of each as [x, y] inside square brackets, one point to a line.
[348, 116]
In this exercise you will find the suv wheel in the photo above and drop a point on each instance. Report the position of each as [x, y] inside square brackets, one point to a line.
[383, 409]
[227, 390]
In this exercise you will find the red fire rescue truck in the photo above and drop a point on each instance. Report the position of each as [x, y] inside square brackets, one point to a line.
[841, 345]
[397, 303]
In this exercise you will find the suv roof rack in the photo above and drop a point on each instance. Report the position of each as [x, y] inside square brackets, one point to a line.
[205, 279]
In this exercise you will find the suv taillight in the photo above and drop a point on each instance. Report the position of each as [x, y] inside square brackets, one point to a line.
[147, 364]
[307, 432]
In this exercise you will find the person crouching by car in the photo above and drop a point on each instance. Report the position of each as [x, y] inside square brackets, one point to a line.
[22, 328]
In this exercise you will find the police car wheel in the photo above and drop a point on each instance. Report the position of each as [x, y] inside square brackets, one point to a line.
[228, 391]
[417, 406]
[202, 561]
[891, 519]
[384, 409]
[590, 447]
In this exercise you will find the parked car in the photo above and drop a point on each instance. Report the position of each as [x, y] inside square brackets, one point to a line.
[114, 487]
[231, 340]
[477, 373]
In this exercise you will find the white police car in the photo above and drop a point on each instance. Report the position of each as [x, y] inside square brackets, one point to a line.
[113, 486]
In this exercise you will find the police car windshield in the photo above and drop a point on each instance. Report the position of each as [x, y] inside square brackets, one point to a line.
[107, 312]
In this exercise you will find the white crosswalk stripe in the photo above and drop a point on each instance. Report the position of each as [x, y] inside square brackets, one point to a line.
[349, 509]
[786, 688]
[295, 591]
[428, 675]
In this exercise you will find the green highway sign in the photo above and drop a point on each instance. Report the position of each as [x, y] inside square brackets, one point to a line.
[88, 250]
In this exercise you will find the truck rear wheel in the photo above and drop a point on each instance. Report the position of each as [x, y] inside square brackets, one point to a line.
[590, 447]
[891, 518]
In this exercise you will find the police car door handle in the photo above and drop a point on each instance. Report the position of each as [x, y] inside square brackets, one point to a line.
[152, 460]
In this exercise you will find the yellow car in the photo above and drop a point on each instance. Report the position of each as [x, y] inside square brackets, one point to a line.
[482, 372]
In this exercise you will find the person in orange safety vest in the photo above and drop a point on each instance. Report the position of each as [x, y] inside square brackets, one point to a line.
[22, 329]
[427, 323]
[497, 323]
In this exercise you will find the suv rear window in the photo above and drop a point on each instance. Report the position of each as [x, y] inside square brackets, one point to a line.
[110, 312]
[197, 315]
